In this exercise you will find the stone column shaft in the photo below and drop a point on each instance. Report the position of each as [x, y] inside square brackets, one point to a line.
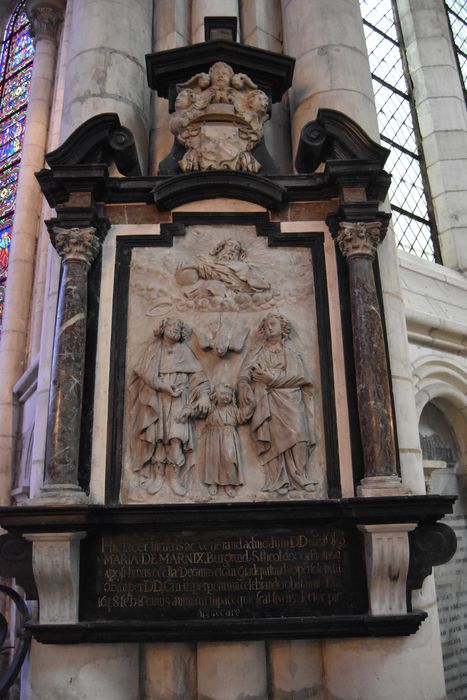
[45, 18]
[261, 24]
[172, 28]
[332, 68]
[106, 70]
[358, 242]
[77, 248]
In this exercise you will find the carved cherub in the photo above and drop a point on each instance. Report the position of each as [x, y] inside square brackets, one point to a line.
[219, 118]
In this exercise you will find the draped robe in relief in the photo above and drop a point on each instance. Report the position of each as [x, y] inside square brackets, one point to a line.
[220, 277]
[220, 445]
[154, 412]
[280, 425]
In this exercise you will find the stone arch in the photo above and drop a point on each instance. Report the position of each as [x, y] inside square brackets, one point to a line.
[443, 383]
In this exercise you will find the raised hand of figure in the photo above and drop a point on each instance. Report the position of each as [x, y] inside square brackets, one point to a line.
[183, 415]
[175, 391]
[245, 394]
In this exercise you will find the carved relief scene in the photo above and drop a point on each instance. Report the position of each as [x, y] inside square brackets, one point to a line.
[222, 396]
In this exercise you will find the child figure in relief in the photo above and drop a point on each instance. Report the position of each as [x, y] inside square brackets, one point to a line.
[220, 445]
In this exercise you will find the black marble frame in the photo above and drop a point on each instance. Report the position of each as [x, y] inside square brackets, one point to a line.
[312, 240]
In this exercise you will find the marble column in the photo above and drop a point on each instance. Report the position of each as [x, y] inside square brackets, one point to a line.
[358, 243]
[77, 247]
[45, 18]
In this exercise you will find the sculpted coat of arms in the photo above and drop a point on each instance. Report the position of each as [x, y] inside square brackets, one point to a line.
[219, 119]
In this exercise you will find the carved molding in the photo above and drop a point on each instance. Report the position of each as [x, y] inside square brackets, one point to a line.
[76, 244]
[387, 565]
[55, 561]
[359, 239]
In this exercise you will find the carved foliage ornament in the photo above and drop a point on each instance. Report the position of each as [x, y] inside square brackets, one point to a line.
[45, 20]
[359, 239]
[219, 118]
[76, 244]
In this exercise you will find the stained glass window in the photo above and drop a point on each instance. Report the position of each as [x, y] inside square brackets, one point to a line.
[16, 56]
[413, 227]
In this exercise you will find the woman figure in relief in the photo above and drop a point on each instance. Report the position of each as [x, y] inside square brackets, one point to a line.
[274, 379]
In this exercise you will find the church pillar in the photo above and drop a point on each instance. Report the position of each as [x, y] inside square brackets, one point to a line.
[332, 63]
[106, 70]
[261, 24]
[45, 17]
[77, 247]
[172, 27]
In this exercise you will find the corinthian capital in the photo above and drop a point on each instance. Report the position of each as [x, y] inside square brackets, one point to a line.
[76, 244]
[359, 239]
[45, 17]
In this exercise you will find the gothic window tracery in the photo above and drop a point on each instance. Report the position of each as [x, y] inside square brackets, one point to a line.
[16, 57]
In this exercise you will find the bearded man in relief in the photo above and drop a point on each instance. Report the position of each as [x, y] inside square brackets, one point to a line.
[168, 390]
[224, 273]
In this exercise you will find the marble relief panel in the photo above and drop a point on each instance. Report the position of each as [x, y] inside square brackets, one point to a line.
[222, 397]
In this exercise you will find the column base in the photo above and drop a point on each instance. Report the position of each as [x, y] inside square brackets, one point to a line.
[381, 486]
[60, 495]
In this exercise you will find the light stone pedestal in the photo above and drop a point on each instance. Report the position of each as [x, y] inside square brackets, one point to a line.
[387, 564]
[55, 562]
[381, 486]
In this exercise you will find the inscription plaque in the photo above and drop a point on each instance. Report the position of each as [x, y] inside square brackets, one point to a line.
[452, 606]
[200, 575]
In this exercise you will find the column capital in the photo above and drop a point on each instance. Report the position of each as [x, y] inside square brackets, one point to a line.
[76, 244]
[359, 239]
[45, 17]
